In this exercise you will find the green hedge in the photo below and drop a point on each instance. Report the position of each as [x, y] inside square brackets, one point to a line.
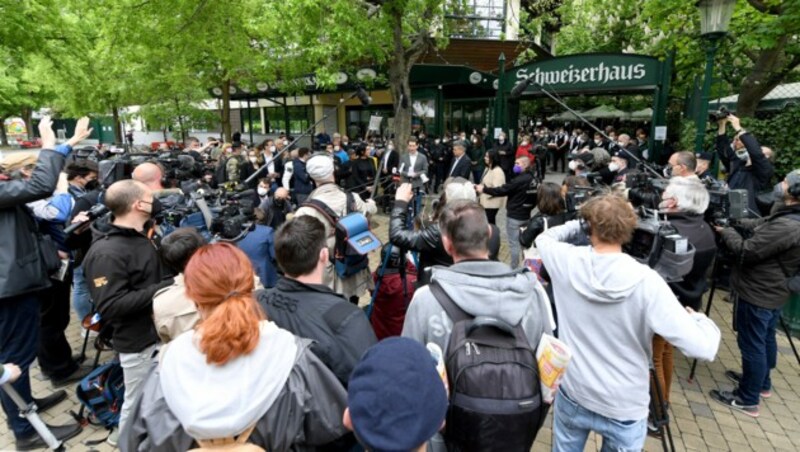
[780, 132]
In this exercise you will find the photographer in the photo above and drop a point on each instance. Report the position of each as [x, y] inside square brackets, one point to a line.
[23, 274]
[766, 260]
[124, 272]
[747, 167]
[428, 240]
[611, 306]
[684, 202]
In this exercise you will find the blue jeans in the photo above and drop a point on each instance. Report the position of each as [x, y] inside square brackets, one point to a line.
[81, 300]
[756, 339]
[512, 233]
[572, 424]
[19, 340]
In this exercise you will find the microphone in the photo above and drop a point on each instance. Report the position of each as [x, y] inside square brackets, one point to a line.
[520, 87]
[363, 97]
[243, 194]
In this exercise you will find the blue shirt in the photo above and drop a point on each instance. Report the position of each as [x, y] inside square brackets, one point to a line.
[259, 246]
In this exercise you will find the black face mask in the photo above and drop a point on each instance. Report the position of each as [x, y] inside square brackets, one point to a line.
[157, 208]
[91, 185]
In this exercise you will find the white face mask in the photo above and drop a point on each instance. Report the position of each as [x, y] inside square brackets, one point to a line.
[437, 141]
[573, 165]
[336, 148]
[262, 191]
[613, 167]
[272, 149]
[474, 140]
[501, 139]
[285, 142]
[524, 143]
[598, 142]
[742, 154]
[253, 159]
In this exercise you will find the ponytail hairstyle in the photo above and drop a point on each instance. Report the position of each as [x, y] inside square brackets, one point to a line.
[219, 279]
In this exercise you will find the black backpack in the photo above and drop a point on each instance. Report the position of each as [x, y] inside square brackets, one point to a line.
[346, 260]
[495, 397]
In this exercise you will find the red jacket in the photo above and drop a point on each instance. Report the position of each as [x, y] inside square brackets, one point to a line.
[389, 310]
[525, 151]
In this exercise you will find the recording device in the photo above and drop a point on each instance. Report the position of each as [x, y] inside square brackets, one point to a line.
[726, 206]
[658, 244]
[97, 211]
[717, 115]
[577, 196]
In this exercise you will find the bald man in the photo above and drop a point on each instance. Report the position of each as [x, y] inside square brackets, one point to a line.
[150, 175]
[124, 272]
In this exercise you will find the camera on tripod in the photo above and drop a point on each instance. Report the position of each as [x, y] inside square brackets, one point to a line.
[235, 216]
[726, 206]
[717, 115]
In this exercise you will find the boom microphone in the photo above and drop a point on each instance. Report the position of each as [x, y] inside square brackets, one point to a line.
[243, 194]
[520, 87]
[362, 95]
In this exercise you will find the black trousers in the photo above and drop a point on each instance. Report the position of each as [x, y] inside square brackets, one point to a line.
[55, 353]
[491, 215]
[560, 156]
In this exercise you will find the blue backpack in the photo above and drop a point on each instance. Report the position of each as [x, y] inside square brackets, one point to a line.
[102, 393]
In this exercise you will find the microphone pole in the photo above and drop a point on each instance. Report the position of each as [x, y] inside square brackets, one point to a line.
[362, 96]
[520, 87]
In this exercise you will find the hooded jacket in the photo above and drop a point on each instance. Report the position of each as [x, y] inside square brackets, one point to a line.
[21, 268]
[295, 402]
[480, 288]
[610, 306]
[759, 278]
[124, 272]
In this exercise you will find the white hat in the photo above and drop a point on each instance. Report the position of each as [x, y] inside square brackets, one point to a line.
[320, 167]
[459, 189]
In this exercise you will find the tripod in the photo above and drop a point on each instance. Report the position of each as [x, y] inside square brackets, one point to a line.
[659, 414]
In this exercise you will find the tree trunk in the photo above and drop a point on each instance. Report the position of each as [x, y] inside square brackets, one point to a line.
[770, 68]
[399, 73]
[3, 136]
[180, 121]
[117, 126]
[27, 116]
[226, 111]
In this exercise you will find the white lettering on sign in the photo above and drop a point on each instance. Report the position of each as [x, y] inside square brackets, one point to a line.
[601, 73]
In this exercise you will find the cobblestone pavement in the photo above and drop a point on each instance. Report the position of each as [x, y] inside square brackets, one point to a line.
[697, 422]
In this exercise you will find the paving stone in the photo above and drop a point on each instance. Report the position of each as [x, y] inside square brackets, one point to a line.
[780, 441]
[702, 410]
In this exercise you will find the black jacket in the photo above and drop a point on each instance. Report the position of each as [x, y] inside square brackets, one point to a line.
[21, 268]
[694, 227]
[340, 331]
[123, 272]
[520, 202]
[753, 178]
[536, 226]
[505, 154]
[461, 168]
[428, 241]
[759, 278]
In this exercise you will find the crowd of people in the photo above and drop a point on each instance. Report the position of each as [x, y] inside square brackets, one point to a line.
[262, 340]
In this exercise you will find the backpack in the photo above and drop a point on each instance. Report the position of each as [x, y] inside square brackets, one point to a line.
[347, 260]
[102, 393]
[495, 394]
[792, 279]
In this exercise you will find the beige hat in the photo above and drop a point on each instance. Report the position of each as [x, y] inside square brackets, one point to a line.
[14, 162]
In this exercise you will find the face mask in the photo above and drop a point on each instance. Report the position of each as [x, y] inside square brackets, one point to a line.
[598, 142]
[475, 140]
[91, 185]
[613, 167]
[517, 169]
[336, 148]
[777, 192]
[262, 191]
[668, 171]
[501, 139]
[155, 208]
[437, 141]
[573, 165]
[253, 159]
[272, 149]
[391, 148]
[286, 142]
[445, 140]
[742, 154]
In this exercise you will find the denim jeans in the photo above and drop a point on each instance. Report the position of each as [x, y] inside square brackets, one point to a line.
[512, 233]
[136, 367]
[756, 339]
[572, 424]
[81, 301]
[19, 340]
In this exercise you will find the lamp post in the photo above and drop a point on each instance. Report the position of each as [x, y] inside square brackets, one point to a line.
[715, 16]
[500, 98]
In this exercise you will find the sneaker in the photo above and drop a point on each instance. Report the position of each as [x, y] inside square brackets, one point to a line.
[61, 432]
[731, 400]
[113, 437]
[653, 431]
[736, 377]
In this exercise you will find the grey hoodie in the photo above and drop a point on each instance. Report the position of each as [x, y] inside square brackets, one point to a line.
[609, 307]
[480, 288]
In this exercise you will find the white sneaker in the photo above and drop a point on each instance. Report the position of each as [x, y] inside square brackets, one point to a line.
[113, 437]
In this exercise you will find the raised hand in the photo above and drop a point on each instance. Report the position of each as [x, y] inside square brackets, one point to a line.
[82, 131]
[47, 134]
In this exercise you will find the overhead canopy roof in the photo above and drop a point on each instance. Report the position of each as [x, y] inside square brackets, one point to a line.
[781, 97]
[422, 75]
[481, 54]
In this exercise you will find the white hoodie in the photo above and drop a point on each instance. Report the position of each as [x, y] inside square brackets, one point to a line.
[212, 401]
[609, 306]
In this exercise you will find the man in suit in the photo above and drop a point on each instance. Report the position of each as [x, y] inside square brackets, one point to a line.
[460, 165]
[414, 165]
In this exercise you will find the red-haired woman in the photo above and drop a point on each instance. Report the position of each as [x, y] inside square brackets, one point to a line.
[236, 374]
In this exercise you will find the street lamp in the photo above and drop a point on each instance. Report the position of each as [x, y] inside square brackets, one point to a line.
[715, 16]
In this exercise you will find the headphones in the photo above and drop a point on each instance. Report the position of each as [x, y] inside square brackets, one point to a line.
[794, 190]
